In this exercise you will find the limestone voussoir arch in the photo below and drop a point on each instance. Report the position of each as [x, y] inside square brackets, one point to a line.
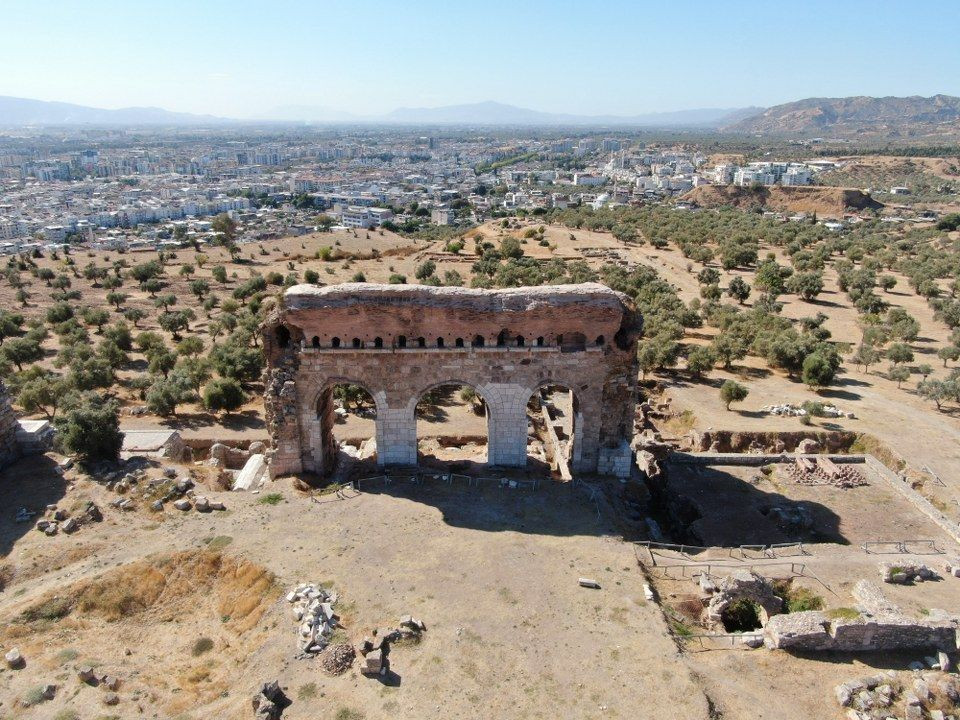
[478, 388]
[315, 390]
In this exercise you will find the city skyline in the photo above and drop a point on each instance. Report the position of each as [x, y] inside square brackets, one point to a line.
[231, 60]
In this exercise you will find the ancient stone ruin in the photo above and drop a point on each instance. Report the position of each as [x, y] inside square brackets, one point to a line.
[398, 342]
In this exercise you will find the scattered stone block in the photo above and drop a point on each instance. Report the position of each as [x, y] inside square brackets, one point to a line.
[14, 659]
[589, 583]
[182, 504]
[111, 698]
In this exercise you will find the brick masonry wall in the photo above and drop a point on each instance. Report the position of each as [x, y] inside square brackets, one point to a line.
[602, 378]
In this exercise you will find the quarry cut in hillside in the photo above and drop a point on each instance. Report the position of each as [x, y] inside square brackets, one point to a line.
[824, 201]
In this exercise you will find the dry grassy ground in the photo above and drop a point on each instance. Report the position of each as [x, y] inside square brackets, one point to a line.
[492, 573]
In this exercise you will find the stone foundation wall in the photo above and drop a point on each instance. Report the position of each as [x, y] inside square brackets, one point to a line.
[303, 367]
[813, 630]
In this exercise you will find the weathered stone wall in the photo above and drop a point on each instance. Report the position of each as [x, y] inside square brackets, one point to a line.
[9, 445]
[813, 630]
[398, 342]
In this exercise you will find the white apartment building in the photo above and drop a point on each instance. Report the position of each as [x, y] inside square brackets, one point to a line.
[355, 216]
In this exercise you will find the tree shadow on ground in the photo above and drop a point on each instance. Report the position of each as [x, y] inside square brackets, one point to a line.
[839, 394]
[244, 420]
[32, 482]
[710, 506]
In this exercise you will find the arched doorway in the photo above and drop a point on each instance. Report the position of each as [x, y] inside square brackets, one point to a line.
[347, 416]
[452, 426]
[554, 429]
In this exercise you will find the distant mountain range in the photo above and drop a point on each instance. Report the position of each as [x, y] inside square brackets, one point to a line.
[839, 117]
[861, 115]
[21, 111]
[494, 113]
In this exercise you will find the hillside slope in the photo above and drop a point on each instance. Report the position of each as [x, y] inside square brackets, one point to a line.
[825, 201]
[891, 116]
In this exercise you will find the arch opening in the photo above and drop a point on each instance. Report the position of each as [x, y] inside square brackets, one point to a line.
[378, 342]
[553, 429]
[357, 343]
[439, 342]
[315, 342]
[283, 336]
[478, 341]
[459, 342]
[347, 414]
[335, 342]
[452, 427]
[402, 341]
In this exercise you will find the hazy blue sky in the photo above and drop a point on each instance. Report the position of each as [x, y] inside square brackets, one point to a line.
[239, 58]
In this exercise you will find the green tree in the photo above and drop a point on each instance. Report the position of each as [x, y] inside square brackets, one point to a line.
[700, 361]
[899, 353]
[899, 373]
[817, 371]
[44, 394]
[936, 390]
[134, 315]
[96, 316]
[866, 356]
[90, 429]
[166, 393]
[951, 352]
[223, 395]
[731, 392]
[738, 289]
[425, 269]
[226, 227]
[219, 273]
[199, 287]
[21, 350]
[806, 284]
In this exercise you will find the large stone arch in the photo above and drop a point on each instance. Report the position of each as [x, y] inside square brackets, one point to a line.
[602, 375]
[454, 380]
[582, 433]
[316, 422]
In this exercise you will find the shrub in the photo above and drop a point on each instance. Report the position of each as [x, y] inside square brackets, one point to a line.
[201, 645]
[271, 499]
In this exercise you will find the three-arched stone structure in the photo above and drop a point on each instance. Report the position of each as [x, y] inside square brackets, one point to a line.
[399, 341]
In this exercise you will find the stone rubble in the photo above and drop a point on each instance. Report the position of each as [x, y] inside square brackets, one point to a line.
[59, 519]
[913, 694]
[901, 574]
[270, 702]
[375, 648]
[788, 410]
[313, 609]
[336, 659]
[14, 659]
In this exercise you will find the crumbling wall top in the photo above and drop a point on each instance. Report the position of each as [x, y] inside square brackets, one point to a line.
[309, 297]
